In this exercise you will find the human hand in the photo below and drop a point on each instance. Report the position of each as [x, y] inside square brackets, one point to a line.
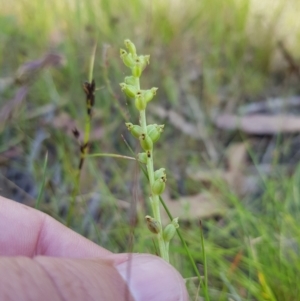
[40, 259]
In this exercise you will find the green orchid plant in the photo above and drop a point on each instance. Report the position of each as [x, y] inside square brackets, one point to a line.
[147, 135]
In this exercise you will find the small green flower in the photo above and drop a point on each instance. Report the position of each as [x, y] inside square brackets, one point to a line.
[146, 142]
[159, 185]
[129, 90]
[142, 157]
[152, 224]
[134, 129]
[131, 80]
[154, 131]
[140, 101]
[137, 69]
[127, 58]
[149, 94]
[130, 46]
[144, 60]
[160, 173]
[170, 230]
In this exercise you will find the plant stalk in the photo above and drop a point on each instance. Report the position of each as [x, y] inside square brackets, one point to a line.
[154, 199]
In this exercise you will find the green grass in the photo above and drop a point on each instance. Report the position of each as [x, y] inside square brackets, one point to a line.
[207, 57]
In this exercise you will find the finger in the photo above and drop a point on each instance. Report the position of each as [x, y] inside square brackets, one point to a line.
[52, 278]
[135, 277]
[150, 278]
[29, 232]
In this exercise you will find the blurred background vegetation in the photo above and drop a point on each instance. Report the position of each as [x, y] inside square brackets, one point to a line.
[212, 61]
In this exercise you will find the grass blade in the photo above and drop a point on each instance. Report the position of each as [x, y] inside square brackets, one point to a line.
[37, 204]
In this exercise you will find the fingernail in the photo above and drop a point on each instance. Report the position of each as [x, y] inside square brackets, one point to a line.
[149, 277]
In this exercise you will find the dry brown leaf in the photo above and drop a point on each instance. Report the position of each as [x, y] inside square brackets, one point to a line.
[271, 105]
[177, 121]
[193, 207]
[29, 70]
[196, 130]
[259, 124]
[236, 157]
[236, 176]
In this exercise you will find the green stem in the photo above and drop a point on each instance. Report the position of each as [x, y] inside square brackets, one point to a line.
[156, 214]
[154, 200]
[87, 130]
[86, 139]
[42, 184]
[75, 192]
[206, 294]
[185, 246]
[143, 121]
[110, 155]
[92, 63]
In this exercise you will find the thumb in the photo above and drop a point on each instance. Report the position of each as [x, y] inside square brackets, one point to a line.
[150, 278]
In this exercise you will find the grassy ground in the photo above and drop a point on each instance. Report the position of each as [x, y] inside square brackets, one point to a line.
[207, 57]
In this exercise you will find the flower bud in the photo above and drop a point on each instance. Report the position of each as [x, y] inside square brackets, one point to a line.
[140, 102]
[160, 173]
[129, 90]
[146, 142]
[131, 80]
[170, 230]
[154, 131]
[149, 94]
[122, 52]
[127, 58]
[152, 224]
[142, 157]
[130, 46]
[137, 69]
[159, 185]
[144, 60]
[134, 129]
